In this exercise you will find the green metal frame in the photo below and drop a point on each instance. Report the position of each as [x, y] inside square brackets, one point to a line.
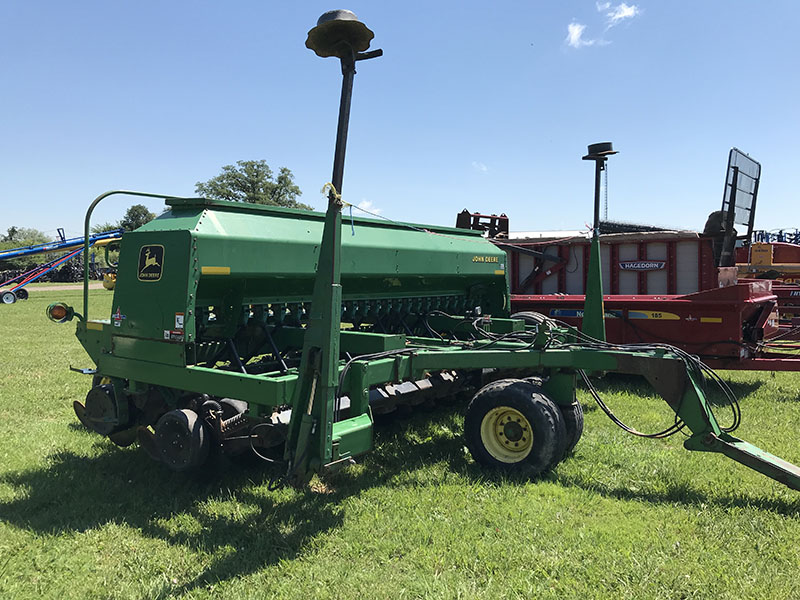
[86, 229]
[317, 442]
[136, 359]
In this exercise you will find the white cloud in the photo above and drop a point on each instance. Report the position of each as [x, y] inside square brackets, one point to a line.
[575, 36]
[367, 206]
[614, 16]
[619, 13]
[480, 167]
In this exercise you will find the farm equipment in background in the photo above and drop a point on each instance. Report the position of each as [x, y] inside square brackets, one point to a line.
[109, 280]
[779, 261]
[776, 257]
[671, 286]
[72, 246]
[742, 178]
[238, 328]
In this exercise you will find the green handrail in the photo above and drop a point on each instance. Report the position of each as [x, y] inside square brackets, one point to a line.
[86, 234]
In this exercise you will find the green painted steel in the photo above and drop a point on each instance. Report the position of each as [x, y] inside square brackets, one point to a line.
[594, 320]
[314, 321]
[227, 255]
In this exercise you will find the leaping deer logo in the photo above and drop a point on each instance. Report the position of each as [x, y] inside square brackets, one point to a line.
[149, 261]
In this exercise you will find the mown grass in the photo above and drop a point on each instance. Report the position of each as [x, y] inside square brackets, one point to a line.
[416, 518]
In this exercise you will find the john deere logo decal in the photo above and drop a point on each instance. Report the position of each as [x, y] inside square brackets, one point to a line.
[151, 262]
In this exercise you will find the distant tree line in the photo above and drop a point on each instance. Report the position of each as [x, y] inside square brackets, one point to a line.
[17, 237]
[250, 181]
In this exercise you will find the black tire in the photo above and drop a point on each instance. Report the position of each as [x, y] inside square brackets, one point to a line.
[573, 423]
[500, 420]
[181, 441]
[569, 439]
[22, 294]
[8, 297]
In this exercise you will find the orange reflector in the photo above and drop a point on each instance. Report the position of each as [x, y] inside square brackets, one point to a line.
[58, 312]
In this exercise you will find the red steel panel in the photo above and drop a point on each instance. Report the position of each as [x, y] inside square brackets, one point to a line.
[709, 323]
[672, 267]
[707, 271]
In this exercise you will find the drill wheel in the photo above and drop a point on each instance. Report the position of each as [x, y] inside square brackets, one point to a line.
[510, 425]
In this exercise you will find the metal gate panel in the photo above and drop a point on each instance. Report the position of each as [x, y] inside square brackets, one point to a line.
[628, 280]
[688, 267]
[657, 278]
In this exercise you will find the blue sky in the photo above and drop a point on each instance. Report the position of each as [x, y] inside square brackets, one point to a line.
[486, 106]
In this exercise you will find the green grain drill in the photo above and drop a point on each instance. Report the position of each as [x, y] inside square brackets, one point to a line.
[216, 343]
[243, 329]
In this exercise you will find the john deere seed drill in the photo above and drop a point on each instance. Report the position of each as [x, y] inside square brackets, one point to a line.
[238, 328]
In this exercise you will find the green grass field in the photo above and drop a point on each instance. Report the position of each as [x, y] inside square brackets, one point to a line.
[416, 518]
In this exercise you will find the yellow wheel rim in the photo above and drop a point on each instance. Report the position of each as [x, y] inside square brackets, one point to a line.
[507, 434]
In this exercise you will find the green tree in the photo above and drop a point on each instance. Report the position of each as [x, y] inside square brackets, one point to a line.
[253, 181]
[11, 234]
[24, 236]
[17, 237]
[103, 227]
[136, 216]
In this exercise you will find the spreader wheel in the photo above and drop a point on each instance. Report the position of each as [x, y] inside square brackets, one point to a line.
[8, 297]
[511, 425]
[21, 293]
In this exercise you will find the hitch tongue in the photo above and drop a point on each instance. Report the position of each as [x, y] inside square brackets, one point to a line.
[749, 455]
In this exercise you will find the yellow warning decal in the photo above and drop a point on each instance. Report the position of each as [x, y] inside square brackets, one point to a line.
[94, 325]
[711, 319]
[499, 272]
[215, 270]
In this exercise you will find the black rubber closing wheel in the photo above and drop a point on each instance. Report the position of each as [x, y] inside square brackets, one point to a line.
[8, 297]
[181, 441]
[22, 294]
[511, 425]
